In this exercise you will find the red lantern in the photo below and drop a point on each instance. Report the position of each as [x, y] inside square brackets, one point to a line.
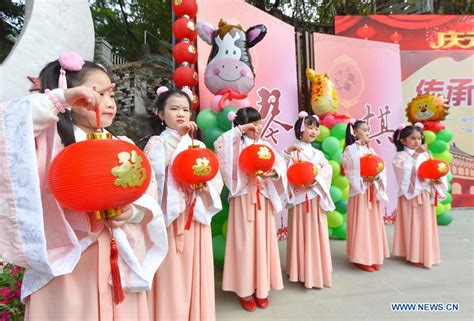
[185, 76]
[99, 175]
[194, 102]
[371, 166]
[366, 32]
[433, 169]
[302, 173]
[396, 37]
[256, 159]
[185, 7]
[195, 166]
[185, 52]
[184, 28]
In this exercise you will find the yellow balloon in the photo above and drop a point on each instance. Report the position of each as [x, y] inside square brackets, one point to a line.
[323, 93]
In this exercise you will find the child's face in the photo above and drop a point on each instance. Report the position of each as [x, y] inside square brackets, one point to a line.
[176, 111]
[86, 119]
[362, 133]
[255, 135]
[310, 133]
[413, 141]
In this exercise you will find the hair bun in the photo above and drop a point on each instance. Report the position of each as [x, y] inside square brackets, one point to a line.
[71, 61]
[231, 115]
[161, 89]
[302, 114]
[419, 125]
[352, 121]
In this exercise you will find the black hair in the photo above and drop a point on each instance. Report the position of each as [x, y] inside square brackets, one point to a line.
[308, 121]
[350, 139]
[398, 135]
[157, 125]
[49, 77]
[246, 115]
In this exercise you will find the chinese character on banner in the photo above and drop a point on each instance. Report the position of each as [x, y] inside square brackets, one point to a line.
[458, 91]
[430, 86]
[382, 119]
[450, 39]
[269, 104]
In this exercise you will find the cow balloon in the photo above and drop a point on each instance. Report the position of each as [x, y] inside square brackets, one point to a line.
[229, 72]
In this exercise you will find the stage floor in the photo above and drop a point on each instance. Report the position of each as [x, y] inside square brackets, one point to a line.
[358, 295]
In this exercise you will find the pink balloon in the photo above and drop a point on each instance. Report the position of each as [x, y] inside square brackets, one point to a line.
[329, 121]
[215, 103]
[240, 103]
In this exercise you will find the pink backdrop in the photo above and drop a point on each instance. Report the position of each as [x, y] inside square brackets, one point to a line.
[367, 77]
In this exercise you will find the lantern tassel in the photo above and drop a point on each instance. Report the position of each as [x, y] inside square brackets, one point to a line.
[307, 203]
[190, 215]
[117, 293]
[371, 191]
[259, 204]
[436, 198]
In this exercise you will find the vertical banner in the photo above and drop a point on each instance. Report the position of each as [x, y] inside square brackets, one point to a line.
[367, 78]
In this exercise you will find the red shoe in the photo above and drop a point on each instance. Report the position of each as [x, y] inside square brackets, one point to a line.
[367, 268]
[418, 264]
[376, 267]
[249, 304]
[262, 303]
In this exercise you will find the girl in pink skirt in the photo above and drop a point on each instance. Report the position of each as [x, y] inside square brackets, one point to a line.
[366, 244]
[416, 229]
[252, 260]
[308, 253]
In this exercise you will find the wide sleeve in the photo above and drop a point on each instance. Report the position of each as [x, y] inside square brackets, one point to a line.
[276, 187]
[323, 182]
[351, 164]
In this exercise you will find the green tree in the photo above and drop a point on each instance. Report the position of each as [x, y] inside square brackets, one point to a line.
[11, 21]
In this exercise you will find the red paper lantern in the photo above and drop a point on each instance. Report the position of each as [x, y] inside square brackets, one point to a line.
[185, 76]
[98, 175]
[195, 166]
[371, 166]
[184, 28]
[433, 169]
[194, 102]
[185, 7]
[396, 37]
[256, 159]
[366, 32]
[302, 173]
[185, 52]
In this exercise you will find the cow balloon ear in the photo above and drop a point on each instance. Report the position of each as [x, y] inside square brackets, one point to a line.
[255, 34]
[206, 31]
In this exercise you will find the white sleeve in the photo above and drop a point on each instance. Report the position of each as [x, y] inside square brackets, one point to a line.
[43, 110]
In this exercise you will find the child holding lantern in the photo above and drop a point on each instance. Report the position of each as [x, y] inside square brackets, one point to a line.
[184, 284]
[252, 260]
[366, 244]
[67, 254]
[416, 229]
[308, 253]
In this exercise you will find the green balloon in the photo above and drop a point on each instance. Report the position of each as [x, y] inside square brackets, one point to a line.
[210, 135]
[345, 194]
[340, 182]
[449, 176]
[336, 168]
[340, 232]
[224, 230]
[222, 118]
[216, 229]
[336, 156]
[225, 194]
[218, 247]
[206, 119]
[324, 132]
[331, 145]
[445, 135]
[335, 219]
[440, 209]
[448, 199]
[444, 219]
[222, 216]
[342, 143]
[447, 207]
[341, 206]
[438, 146]
[450, 187]
[430, 136]
[339, 131]
[336, 194]
[344, 215]
[317, 145]
[219, 264]
[446, 156]
[330, 231]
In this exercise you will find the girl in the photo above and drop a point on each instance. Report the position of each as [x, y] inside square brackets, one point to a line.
[67, 253]
[416, 229]
[308, 254]
[184, 284]
[366, 244]
[252, 260]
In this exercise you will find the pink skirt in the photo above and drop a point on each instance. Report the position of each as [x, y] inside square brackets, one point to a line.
[366, 238]
[183, 288]
[252, 259]
[308, 253]
[85, 294]
[416, 231]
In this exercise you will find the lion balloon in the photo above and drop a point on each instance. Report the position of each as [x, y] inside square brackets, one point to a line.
[323, 93]
[427, 108]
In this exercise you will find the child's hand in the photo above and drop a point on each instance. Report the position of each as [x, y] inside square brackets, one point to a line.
[249, 128]
[293, 148]
[421, 149]
[185, 128]
[371, 179]
[124, 217]
[270, 174]
[85, 97]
